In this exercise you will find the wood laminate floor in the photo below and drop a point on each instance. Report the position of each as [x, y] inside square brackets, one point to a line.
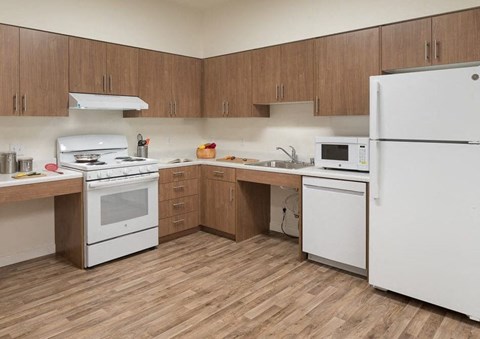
[204, 286]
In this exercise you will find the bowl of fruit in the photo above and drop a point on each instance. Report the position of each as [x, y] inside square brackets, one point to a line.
[207, 151]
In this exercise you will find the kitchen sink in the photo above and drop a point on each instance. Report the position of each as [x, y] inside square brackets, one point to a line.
[280, 164]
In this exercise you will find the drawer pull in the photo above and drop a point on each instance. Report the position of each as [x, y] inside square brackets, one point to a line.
[178, 221]
[178, 174]
[218, 173]
[178, 188]
[178, 205]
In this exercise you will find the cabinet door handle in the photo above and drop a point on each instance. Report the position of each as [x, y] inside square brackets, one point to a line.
[178, 205]
[228, 108]
[110, 83]
[282, 91]
[223, 108]
[175, 108]
[24, 102]
[178, 188]
[427, 48]
[276, 91]
[178, 174]
[178, 221]
[317, 104]
[231, 194]
[15, 103]
[170, 108]
[436, 48]
[218, 173]
[104, 83]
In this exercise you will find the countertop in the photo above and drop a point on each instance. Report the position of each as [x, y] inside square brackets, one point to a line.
[6, 180]
[307, 171]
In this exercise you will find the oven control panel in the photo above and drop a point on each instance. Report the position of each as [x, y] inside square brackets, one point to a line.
[120, 172]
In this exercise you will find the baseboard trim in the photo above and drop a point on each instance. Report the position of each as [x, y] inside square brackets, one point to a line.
[217, 232]
[177, 235]
[33, 253]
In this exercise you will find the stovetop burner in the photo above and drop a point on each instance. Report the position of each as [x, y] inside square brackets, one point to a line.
[95, 163]
[129, 159]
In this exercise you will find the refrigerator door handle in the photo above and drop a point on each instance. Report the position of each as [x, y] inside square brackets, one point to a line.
[375, 110]
[374, 170]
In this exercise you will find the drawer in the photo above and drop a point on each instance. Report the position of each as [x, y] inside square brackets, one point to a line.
[178, 223]
[218, 173]
[177, 189]
[179, 174]
[169, 208]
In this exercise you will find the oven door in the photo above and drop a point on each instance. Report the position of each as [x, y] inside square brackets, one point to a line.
[120, 207]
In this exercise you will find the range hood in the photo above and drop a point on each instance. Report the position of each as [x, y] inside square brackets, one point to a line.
[105, 102]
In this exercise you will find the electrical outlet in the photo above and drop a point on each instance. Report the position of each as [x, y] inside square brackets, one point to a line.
[17, 148]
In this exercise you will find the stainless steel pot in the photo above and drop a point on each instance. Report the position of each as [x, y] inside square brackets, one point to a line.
[8, 162]
[87, 157]
[25, 164]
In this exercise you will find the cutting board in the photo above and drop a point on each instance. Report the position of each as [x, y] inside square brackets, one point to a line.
[239, 160]
[30, 176]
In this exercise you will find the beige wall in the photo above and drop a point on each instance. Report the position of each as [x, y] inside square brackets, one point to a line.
[241, 25]
[27, 228]
[152, 24]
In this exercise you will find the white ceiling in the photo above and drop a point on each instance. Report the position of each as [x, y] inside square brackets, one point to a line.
[199, 4]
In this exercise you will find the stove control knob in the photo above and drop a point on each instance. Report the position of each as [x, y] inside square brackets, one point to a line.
[126, 171]
[109, 174]
[99, 175]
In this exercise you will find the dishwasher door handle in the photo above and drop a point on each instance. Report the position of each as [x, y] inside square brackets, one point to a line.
[332, 189]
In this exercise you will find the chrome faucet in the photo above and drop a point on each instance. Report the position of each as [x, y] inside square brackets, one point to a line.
[292, 156]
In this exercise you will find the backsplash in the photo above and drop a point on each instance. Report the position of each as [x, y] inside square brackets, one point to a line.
[289, 124]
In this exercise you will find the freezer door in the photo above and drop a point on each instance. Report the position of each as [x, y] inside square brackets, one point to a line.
[424, 238]
[430, 105]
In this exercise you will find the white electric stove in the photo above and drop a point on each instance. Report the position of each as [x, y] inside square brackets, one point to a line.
[120, 196]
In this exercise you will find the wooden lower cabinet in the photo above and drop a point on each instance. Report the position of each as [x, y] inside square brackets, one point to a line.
[178, 200]
[182, 222]
[219, 208]
[218, 199]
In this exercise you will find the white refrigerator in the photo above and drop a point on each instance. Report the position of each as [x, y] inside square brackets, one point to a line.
[424, 207]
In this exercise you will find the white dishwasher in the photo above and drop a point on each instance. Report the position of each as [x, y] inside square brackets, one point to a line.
[334, 223]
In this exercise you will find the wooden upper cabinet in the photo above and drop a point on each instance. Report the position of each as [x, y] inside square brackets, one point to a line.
[343, 65]
[170, 84]
[215, 82]
[122, 69]
[266, 74]
[283, 73]
[227, 87]
[444, 39]
[297, 71]
[43, 73]
[88, 69]
[9, 68]
[456, 37]
[155, 83]
[406, 44]
[187, 87]
[239, 85]
[102, 68]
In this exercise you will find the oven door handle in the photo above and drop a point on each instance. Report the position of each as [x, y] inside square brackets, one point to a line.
[128, 181]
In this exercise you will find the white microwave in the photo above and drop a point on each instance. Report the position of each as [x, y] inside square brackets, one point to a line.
[350, 153]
